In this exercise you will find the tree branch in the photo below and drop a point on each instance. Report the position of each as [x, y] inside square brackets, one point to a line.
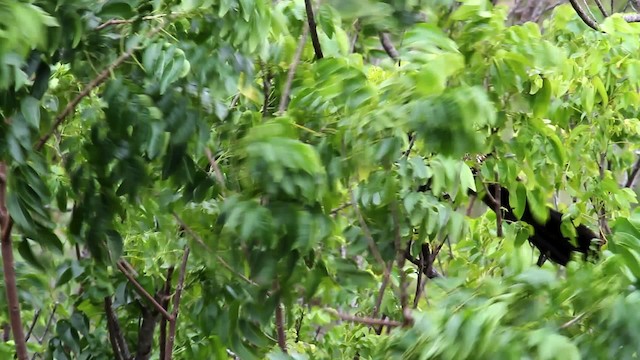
[313, 29]
[176, 306]
[142, 292]
[11, 288]
[364, 320]
[118, 344]
[400, 261]
[218, 257]
[633, 174]
[286, 91]
[216, 169]
[163, 321]
[97, 81]
[282, 338]
[583, 15]
[33, 324]
[601, 8]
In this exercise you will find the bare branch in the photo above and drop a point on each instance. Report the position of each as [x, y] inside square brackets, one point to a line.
[142, 292]
[218, 257]
[216, 169]
[119, 345]
[383, 286]
[11, 289]
[165, 304]
[400, 261]
[282, 338]
[176, 306]
[364, 320]
[97, 81]
[583, 15]
[601, 8]
[387, 45]
[633, 174]
[33, 324]
[313, 29]
[367, 233]
[286, 90]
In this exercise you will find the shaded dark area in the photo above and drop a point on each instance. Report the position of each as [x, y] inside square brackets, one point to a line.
[547, 237]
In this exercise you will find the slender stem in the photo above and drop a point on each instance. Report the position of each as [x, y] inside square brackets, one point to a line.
[286, 91]
[142, 292]
[313, 29]
[365, 320]
[176, 306]
[11, 288]
[387, 45]
[583, 15]
[282, 338]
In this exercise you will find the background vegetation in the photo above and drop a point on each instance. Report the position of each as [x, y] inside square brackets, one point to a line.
[239, 178]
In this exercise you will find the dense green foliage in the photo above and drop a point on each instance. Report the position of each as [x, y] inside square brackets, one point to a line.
[135, 129]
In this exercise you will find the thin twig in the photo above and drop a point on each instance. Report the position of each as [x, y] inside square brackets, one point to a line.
[367, 233]
[364, 320]
[97, 81]
[400, 261]
[424, 256]
[572, 321]
[339, 208]
[165, 304]
[383, 286]
[282, 338]
[354, 39]
[218, 257]
[266, 88]
[601, 8]
[120, 347]
[299, 325]
[583, 15]
[633, 174]
[11, 288]
[176, 306]
[313, 29]
[216, 169]
[33, 324]
[142, 292]
[286, 91]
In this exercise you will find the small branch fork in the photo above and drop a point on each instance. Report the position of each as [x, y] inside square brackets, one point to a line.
[176, 306]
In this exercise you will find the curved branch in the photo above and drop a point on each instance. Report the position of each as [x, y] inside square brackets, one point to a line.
[583, 15]
[313, 28]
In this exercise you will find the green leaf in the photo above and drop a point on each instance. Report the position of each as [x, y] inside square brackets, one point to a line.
[30, 108]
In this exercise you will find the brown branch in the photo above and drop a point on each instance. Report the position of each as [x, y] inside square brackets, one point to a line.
[299, 325]
[97, 81]
[633, 174]
[142, 292]
[354, 39]
[282, 338]
[314, 30]
[176, 306]
[601, 8]
[11, 288]
[383, 286]
[286, 91]
[367, 233]
[218, 257]
[339, 208]
[424, 261]
[33, 324]
[365, 320]
[118, 344]
[583, 15]
[165, 304]
[400, 261]
[146, 332]
[387, 45]
[216, 169]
